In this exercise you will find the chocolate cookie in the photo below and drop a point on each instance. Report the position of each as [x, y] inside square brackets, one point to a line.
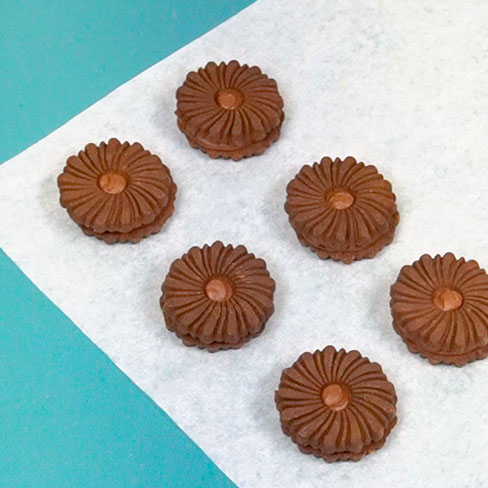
[117, 192]
[440, 309]
[217, 297]
[229, 110]
[336, 405]
[342, 210]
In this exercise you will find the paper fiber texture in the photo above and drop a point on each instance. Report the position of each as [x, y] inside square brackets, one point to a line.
[401, 85]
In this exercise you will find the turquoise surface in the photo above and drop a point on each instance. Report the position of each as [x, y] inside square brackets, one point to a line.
[57, 57]
[69, 417]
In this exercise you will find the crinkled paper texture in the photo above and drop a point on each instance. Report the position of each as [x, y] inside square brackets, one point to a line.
[401, 85]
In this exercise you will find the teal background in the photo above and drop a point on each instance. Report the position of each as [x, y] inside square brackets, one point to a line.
[69, 417]
[57, 57]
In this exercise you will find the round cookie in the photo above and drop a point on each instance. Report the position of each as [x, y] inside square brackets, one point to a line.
[440, 309]
[336, 405]
[343, 210]
[117, 191]
[217, 297]
[229, 110]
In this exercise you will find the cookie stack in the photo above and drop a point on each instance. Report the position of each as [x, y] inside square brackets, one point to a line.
[217, 297]
[117, 192]
[342, 210]
[440, 309]
[229, 110]
[336, 405]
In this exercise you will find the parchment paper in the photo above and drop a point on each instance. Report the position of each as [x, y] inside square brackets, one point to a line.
[402, 85]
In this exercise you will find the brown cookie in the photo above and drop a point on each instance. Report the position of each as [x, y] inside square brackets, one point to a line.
[135, 235]
[215, 346]
[343, 210]
[346, 257]
[336, 405]
[440, 309]
[229, 110]
[235, 153]
[217, 297]
[344, 456]
[116, 191]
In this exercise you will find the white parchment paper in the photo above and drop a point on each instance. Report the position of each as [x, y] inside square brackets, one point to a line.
[402, 85]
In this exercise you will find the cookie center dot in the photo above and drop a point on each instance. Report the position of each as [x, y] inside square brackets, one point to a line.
[229, 98]
[335, 397]
[218, 290]
[341, 200]
[112, 183]
[447, 299]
